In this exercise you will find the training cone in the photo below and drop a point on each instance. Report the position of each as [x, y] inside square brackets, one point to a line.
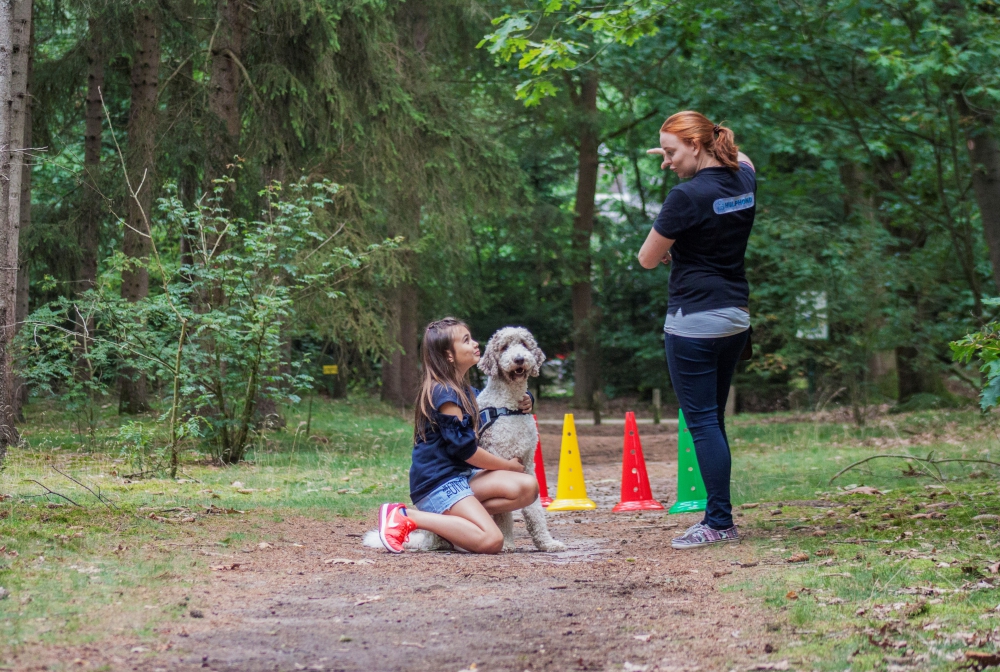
[571, 491]
[636, 494]
[543, 487]
[691, 495]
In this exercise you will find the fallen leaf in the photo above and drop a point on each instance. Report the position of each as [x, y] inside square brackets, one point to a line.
[980, 660]
[264, 546]
[245, 491]
[419, 646]
[792, 595]
[798, 557]
[775, 512]
[236, 484]
[722, 572]
[781, 665]
[225, 568]
[986, 516]
[368, 598]
[753, 505]
[196, 613]
[642, 638]
[863, 490]
[823, 552]
[994, 568]
[139, 649]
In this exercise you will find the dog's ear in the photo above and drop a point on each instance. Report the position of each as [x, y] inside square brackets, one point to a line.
[537, 353]
[489, 363]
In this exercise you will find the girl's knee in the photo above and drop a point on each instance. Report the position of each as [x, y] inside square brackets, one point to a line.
[492, 543]
[529, 489]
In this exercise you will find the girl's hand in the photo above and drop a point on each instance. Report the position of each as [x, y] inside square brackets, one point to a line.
[515, 465]
[525, 404]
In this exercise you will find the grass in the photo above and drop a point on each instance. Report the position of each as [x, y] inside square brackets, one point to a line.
[115, 564]
[874, 578]
[883, 585]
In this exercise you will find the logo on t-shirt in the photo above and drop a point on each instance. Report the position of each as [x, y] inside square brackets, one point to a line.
[726, 205]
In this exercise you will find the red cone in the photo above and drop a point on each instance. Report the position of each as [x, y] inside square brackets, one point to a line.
[543, 488]
[636, 495]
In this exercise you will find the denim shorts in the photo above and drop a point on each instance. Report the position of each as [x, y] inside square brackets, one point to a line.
[448, 494]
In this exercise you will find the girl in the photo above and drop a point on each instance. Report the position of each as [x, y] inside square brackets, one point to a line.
[455, 485]
[703, 229]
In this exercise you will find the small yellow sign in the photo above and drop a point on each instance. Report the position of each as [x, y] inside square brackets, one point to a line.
[330, 369]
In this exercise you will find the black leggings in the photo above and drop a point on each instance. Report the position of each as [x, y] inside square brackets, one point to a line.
[701, 371]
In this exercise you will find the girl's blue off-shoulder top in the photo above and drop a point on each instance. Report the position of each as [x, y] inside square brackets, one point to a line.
[448, 443]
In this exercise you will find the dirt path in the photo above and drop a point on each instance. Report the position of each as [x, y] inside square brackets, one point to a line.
[619, 599]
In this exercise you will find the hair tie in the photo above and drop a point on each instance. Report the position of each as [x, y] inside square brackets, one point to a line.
[715, 129]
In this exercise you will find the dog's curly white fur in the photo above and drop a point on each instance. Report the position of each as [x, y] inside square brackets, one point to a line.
[510, 358]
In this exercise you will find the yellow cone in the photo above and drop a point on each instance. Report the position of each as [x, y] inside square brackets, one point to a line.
[571, 492]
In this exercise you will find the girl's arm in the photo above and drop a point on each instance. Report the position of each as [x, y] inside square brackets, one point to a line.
[482, 459]
[490, 462]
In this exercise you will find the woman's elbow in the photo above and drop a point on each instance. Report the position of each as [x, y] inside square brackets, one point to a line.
[646, 262]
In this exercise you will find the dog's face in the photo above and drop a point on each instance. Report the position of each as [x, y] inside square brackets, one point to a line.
[512, 354]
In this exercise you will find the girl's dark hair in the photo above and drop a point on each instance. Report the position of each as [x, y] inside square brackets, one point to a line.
[438, 370]
[717, 140]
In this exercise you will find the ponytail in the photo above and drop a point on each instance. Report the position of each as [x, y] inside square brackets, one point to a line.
[716, 139]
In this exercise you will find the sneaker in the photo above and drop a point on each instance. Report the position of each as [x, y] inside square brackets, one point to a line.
[703, 535]
[394, 527]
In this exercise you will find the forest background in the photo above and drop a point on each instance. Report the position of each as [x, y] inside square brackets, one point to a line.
[205, 202]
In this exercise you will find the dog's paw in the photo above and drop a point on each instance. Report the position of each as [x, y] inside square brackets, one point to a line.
[509, 547]
[553, 547]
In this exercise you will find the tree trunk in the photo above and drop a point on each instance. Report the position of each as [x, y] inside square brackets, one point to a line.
[15, 31]
[222, 123]
[23, 276]
[984, 153]
[401, 371]
[584, 347]
[134, 397]
[89, 222]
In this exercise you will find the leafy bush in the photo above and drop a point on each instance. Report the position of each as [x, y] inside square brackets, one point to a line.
[216, 334]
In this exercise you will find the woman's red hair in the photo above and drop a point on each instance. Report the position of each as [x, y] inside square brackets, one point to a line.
[717, 140]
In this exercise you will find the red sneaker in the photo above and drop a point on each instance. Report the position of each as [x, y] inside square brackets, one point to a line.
[394, 526]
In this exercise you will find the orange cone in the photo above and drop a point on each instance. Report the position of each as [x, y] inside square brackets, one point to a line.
[636, 495]
[543, 487]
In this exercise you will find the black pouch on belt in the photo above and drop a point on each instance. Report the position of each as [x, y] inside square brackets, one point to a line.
[748, 348]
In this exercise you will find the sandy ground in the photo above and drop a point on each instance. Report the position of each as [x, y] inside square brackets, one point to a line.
[619, 599]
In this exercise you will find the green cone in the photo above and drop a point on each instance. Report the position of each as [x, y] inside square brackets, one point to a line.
[691, 495]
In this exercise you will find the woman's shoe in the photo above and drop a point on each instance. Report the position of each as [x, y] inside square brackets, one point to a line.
[394, 526]
[702, 535]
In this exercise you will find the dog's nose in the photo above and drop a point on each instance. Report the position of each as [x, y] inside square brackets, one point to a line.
[519, 360]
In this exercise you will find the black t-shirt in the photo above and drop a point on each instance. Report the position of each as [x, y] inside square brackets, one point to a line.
[448, 443]
[709, 217]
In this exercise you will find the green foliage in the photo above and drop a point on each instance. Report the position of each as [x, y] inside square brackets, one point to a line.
[216, 333]
[983, 348]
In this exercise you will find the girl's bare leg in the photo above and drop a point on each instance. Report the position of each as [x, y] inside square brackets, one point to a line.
[504, 491]
[467, 525]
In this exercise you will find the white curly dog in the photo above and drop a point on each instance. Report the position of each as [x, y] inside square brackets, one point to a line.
[511, 357]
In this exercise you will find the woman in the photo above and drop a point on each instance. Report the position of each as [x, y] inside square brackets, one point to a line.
[703, 230]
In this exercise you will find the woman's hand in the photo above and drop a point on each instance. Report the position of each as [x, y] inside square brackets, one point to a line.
[525, 404]
[659, 151]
